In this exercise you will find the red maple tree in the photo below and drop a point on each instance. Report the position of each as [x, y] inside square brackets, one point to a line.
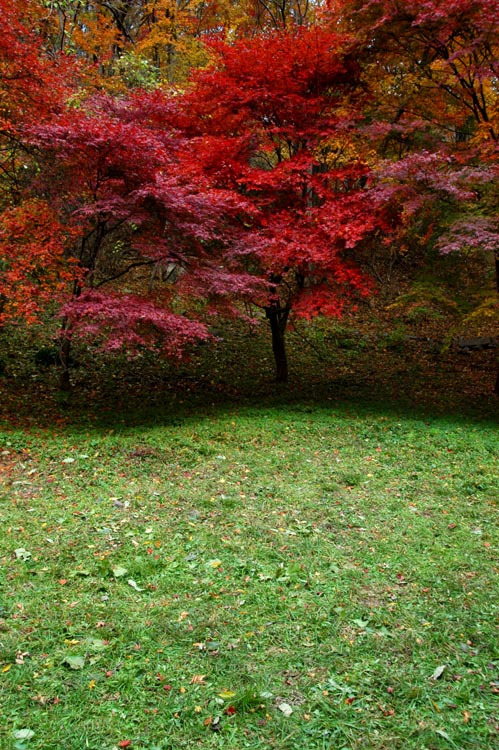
[273, 120]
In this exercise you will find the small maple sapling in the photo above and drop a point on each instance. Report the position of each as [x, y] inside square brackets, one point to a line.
[120, 175]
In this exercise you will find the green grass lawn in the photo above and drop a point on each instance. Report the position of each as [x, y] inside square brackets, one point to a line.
[304, 576]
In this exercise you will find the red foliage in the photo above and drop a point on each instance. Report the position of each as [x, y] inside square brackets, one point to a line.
[254, 184]
[444, 120]
[247, 186]
[34, 269]
[131, 322]
[272, 120]
[124, 179]
[32, 86]
[33, 256]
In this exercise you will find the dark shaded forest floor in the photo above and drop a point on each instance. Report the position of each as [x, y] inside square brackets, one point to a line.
[416, 368]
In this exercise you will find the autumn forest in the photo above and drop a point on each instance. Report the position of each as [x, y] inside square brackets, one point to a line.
[249, 314]
[168, 164]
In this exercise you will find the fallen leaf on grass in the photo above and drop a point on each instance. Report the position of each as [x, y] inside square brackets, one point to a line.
[96, 644]
[285, 708]
[198, 679]
[118, 571]
[226, 694]
[75, 662]
[438, 672]
[215, 724]
[134, 585]
[361, 623]
[80, 572]
[22, 554]
[23, 734]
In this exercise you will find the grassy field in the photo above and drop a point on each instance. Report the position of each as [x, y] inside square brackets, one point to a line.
[200, 568]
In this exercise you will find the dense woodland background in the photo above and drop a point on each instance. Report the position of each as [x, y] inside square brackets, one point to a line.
[176, 173]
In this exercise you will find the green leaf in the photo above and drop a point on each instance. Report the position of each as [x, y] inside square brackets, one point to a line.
[22, 554]
[360, 623]
[118, 571]
[23, 734]
[75, 662]
[96, 644]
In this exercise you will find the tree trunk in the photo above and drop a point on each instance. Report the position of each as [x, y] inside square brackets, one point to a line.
[496, 266]
[496, 263]
[278, 318]
[64, 357]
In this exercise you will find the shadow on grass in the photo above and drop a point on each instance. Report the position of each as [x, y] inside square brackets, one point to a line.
[227, 377]
[121, 402]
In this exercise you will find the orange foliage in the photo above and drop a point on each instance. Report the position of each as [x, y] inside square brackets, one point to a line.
[34, 262]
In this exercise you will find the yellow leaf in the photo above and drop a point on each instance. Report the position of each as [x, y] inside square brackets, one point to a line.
[226, 694]
[91, 684]
[7, 667]
[215, 563]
